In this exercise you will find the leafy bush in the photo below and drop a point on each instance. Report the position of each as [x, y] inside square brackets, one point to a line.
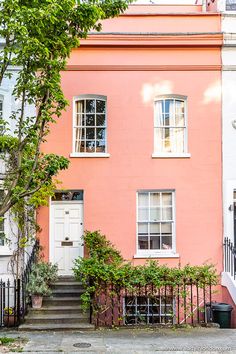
[46, 270]
[105, 268]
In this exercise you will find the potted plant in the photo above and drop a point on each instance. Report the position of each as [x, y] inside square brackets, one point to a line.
[37, 288]
[9, 317]
[42, 274]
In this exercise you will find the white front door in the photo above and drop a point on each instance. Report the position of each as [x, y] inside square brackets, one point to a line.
[65, 235]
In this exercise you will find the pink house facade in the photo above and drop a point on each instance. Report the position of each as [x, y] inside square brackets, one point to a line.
[143, 135]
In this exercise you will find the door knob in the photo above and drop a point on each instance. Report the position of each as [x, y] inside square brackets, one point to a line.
[66, 238]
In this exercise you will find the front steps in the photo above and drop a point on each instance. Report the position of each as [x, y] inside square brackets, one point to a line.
[61, 311]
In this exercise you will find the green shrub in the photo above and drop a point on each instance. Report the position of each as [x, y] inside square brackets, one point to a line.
[104, 267]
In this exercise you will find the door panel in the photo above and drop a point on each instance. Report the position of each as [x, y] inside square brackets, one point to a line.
[66, 233]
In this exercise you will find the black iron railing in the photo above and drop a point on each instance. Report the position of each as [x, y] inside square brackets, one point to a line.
[229, 257]
[186, 303]
[13, 299]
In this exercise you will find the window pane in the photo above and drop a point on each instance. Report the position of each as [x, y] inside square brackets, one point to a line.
[90, 106]
[154, 242]
[90, 120]
[101, 146]
[154, 228]
[154, 199]
[166, 242]
[230, 5]
[159, 113]
[179, 119]
[143, 199]
[143, 242]
[166, 228]
[170, 112]
[179, 107]
[81, 146]
[143, 214]
[173, 140]
[101, 120]
[100, 106]
[143, 228]
[79, 106]
[167, 214]
[100, 133]
[155, 214]
[166, 199]
[79, 121]
[90, 146]
[90, 133]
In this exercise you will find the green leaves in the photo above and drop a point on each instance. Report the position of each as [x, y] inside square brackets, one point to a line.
[39, 36]
[106, 269]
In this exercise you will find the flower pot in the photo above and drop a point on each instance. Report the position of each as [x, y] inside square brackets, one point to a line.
[37, 301]
[9, 320]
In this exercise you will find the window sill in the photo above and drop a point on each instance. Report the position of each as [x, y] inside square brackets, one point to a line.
[5, 251]
[92, 154]
[157, 255]
[170, 155]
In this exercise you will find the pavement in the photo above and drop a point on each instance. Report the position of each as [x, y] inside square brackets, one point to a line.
[129, 341]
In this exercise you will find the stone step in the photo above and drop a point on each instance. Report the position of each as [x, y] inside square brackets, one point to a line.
[61, 301]
[61, 318]
[67, 284]
[58, 309]
[56, 327]
[67, 292]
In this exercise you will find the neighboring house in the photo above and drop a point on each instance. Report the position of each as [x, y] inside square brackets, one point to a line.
[143, 134]
[8, 230]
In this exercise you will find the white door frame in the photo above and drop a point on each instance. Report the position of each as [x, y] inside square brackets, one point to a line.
[51, 241]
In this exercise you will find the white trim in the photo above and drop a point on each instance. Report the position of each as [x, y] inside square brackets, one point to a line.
[156, 255]
[88, 154]
[170, 155]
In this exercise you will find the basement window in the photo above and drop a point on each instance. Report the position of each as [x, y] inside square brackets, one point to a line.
[148, 310]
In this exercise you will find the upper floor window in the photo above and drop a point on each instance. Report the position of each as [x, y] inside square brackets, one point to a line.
[230, 5]
[90, 124]
[170, 132]
[155, 221]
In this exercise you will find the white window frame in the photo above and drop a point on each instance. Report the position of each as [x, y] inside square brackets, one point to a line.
[162, 154]
[158, 253]
[88, 154]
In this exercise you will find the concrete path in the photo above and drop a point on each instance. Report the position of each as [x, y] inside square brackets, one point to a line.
[129, 341]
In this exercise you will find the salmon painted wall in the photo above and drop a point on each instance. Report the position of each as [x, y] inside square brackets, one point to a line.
[110, 184]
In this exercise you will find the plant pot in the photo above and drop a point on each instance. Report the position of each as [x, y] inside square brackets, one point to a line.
[9, 320]
[37, 301]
